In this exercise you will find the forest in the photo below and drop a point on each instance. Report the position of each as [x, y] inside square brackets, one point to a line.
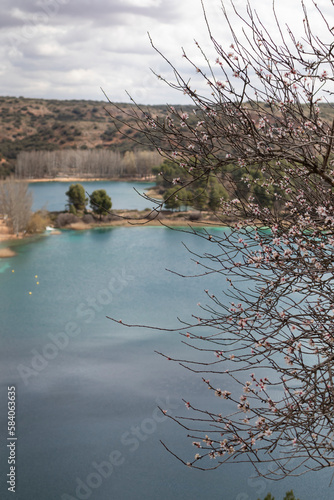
[88, 163]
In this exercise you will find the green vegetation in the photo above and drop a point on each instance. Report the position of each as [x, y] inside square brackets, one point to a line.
[207, 192]
[76, 198]
[100, 202]
[288, 496]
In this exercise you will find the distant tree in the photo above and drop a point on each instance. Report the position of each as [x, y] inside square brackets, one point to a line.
[288, 496]
[100, 202]
[168, 171]
[171, 198]
[84, 162]
[129, 163]
[217, 194]
[201, 195]
[187, 198]
[200, 198]
[15, 204]
[76, 196]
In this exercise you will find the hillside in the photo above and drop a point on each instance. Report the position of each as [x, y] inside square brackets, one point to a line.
[49, 125]
[41, 124]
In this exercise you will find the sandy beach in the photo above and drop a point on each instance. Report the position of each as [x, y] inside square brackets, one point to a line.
[5, 233]
[6, 252]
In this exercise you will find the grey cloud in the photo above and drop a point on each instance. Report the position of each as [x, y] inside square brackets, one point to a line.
[7, 20]
[101, 12]
[106, 10]
[68, 48]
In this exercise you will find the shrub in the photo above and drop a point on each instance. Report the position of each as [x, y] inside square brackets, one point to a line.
[66, 219]
[88, 219]
[193, 216]
[38, 222]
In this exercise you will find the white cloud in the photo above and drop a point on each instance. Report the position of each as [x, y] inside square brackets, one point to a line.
[71, 48]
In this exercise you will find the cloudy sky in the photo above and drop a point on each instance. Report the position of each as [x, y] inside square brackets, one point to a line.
[69, 49]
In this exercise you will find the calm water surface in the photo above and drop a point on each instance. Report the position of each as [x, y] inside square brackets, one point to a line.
[92, 398]
[51, 195]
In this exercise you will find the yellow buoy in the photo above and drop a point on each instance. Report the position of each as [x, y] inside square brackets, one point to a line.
[30, 293]
[37, 282]
[13, 271]
[36, 276]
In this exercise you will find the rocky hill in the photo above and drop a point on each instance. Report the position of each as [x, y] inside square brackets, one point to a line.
[42, 124]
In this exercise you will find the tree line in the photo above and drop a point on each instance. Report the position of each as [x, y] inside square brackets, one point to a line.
[91, 163]
[178, 188]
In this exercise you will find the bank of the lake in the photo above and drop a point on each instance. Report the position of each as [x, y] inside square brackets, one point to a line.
[6, 252]
[120, 218]
[90, 179]
[132, 218]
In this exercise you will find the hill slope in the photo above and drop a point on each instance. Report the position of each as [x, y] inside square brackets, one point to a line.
[48, 124]
[41, 124]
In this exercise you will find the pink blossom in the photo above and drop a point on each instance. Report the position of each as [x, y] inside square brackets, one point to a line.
[220, 84]
[322, 211]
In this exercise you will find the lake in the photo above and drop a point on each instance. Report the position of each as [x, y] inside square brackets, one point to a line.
[88, 388]
[51, 195]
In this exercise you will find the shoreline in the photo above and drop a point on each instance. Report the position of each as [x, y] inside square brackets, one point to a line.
[6, 253]
[125, 218]
[6, 235]
[87, 179]
[142, 222]
[135, 218]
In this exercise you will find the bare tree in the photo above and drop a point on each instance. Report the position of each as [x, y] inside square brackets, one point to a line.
[89, 163]
[15, 204]
[268, 345]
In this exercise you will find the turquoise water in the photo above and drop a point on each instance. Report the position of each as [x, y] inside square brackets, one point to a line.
[87, 387]
[51, 195]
